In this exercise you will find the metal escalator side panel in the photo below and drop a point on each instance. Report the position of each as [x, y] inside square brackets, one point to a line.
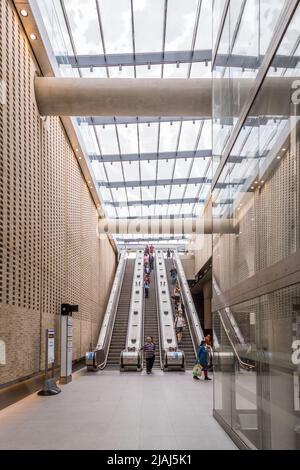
[98, 357]
[172, 357]
[131, 357]
[118, 339]
[190, 309]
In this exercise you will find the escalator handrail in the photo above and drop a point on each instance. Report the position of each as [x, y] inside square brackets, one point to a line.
[167, 328]
[229, 315]
[243, 364]
[158, 317]
[136, 305]
[190, 310]
[111, 309]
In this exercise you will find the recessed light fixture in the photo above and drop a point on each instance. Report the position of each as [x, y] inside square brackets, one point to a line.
[76, 150]
[89, 182]
[252, 187]
[32, 36]
[278, 157]
[283, 150]
[255, 182]
[262, 181]
[79, 158]
[24, 13]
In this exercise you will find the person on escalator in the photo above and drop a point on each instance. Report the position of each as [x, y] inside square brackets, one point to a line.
[151, 249]
[177, 294]
[179, 326]
[149, 351]
[146, 286]
[203, 358]
[147, 269]
[173, 273]
[151, 261]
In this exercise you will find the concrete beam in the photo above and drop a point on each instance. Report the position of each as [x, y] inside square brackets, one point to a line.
[122, 97]
[157, 97]
[168, 226]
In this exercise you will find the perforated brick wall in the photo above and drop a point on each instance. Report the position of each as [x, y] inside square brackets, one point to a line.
[49, 251]
[269, 226]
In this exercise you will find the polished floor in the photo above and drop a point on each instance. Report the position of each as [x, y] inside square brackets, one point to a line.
[112, 410]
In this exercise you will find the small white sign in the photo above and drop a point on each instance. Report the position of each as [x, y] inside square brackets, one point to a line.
[252, 318]
[51, 350]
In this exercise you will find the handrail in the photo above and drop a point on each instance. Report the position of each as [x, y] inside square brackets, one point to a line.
[169, 339]
[243, 364]
[230, 315]
[158, 319]
[190, 310]
[173, 357]
[131, 356]
[103, 344]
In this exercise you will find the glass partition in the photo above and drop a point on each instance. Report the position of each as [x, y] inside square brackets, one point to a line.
[261, 404]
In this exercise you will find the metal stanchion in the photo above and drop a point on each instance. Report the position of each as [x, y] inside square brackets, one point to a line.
[49, 387]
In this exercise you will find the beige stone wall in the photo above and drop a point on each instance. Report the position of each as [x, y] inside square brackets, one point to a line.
[49, 251]
[188, 264]
[201, 245]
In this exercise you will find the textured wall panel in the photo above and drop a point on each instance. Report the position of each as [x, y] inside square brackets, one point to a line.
[269, 226]
[49, 252]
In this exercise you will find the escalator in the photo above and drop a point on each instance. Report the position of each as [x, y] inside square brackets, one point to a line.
[119, 334]
[151, 320]
[187, 343]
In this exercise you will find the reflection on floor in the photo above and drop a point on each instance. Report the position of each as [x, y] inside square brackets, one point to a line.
[112, 410]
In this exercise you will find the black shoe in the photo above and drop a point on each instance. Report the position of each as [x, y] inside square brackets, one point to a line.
[195, 377]
[207, 378]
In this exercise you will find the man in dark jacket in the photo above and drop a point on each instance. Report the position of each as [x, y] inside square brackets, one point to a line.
[203, 358]
[149, 351]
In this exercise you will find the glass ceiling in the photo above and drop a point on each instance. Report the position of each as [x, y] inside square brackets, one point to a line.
[156, 166]
[144, 167]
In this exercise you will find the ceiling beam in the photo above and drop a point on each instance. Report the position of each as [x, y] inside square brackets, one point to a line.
[173, 57]
[151, 156]
[140, 58]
